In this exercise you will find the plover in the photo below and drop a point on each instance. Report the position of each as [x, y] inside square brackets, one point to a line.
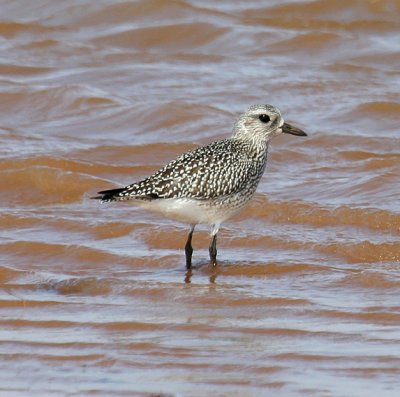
[211, 183]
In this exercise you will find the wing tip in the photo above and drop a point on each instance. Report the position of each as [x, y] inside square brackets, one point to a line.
[108, 195]
[122, 194]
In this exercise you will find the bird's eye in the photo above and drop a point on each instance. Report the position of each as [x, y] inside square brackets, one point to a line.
[264, 118]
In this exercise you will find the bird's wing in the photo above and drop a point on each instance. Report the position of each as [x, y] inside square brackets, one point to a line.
[207, 172]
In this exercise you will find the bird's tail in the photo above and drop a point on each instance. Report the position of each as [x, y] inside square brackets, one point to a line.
[123, 194]
[110, 195]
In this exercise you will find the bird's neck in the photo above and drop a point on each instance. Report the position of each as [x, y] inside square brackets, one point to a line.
[253, 144]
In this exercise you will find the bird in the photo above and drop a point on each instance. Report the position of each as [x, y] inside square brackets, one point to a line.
[211, 183]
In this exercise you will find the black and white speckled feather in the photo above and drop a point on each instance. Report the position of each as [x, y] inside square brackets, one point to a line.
[221, 168]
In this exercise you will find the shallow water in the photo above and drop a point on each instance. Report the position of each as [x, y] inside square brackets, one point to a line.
[95, 299]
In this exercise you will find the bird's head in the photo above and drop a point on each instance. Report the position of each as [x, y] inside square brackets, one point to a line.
[260, 123]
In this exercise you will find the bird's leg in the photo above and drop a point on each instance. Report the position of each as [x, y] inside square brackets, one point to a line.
[213, 250]
[213, 246]
[189, 248]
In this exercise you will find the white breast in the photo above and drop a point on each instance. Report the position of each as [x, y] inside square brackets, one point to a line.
[191, 211]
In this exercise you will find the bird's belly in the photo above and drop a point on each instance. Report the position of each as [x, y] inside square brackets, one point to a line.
[194, 211]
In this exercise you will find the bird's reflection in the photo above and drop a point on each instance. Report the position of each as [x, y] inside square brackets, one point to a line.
[188, 277]
[213, 272]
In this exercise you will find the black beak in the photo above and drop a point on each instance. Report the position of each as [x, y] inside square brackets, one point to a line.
[289, 129]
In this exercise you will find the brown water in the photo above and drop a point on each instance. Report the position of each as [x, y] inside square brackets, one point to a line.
[93, 299]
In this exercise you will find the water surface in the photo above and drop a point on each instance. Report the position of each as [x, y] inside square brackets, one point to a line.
[94, 298]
